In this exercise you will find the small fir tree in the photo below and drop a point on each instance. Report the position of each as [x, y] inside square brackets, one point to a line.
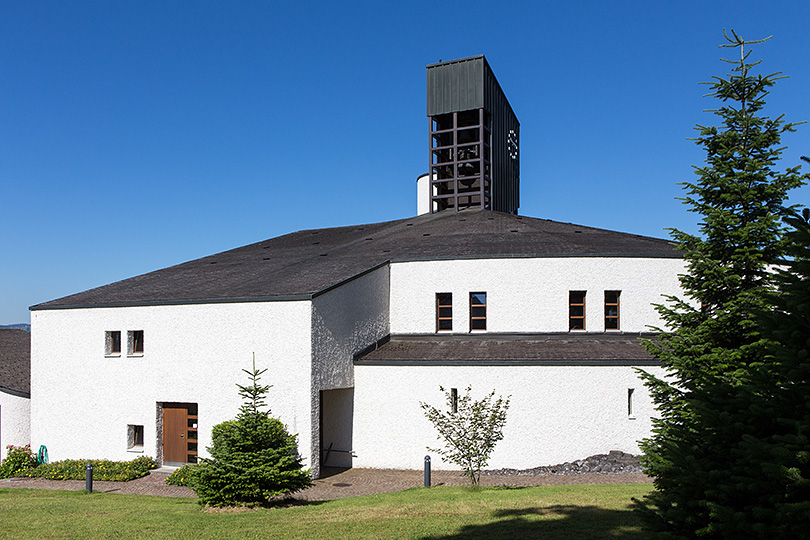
[470, 429]
[700, 451]
[253, 457]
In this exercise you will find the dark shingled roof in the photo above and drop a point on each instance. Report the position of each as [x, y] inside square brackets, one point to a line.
[510, 349]
[15, 361]
[306, 263]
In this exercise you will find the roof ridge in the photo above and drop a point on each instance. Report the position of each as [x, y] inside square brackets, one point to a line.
[312, 260]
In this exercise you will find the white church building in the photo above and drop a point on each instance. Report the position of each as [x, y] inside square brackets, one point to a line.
[358, 325]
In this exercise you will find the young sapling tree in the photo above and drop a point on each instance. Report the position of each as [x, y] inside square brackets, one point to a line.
[469, 428]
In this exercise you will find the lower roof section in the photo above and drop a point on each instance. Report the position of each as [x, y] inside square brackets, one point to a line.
[487, 349]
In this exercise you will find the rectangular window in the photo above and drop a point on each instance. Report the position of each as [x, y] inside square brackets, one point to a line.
[612, 310]
[454, 400]
[630, 412]
[112, 342]
[444, 312]
[478, 311]
[576, 310]
[134, 437]
[135, 342]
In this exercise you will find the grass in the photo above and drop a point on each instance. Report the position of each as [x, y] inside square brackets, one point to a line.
[545, 512]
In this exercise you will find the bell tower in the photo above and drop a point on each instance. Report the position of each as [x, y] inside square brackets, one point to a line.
[474, 139]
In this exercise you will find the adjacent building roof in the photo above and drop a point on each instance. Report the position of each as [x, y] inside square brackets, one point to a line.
[15, 362]
[306, 263]
[569, 349]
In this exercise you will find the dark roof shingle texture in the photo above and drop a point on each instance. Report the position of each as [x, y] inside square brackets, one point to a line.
[492, 349]
[307, 262]
[15, 360]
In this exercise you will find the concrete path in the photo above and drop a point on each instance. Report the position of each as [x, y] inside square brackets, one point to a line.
[336, 483]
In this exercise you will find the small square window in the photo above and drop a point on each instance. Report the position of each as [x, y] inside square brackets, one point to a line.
[112, 342]
[444, 312]
[478, 311]
[134, 437]
[576, 310]
[135, 342]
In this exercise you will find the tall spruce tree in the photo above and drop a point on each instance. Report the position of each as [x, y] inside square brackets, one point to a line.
[784, 396]
[712, 351]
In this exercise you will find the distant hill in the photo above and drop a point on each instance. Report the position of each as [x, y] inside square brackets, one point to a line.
[21, 326]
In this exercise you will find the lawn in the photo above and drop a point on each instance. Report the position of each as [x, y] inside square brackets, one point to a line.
[545, 512]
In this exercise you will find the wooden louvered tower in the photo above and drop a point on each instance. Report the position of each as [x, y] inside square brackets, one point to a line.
[474, 139]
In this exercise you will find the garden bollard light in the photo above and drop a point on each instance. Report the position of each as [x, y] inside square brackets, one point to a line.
[88, 477]
[427, 471]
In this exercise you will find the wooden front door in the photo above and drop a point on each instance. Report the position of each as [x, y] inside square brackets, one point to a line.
[180, 433]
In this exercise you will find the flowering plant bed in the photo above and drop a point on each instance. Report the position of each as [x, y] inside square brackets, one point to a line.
[75, 469]
[19, 458]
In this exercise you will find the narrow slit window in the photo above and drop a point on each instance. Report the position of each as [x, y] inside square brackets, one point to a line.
[444, 312]
[478, 311]
[630, 412]
[135, 342]
[112, 342]
[454, 400]
[576, 310]
[612, 310]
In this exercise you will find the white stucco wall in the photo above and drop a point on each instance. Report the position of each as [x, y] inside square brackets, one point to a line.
[530, 295]
[345, 321]
[15, 422]
[557, 413]
[82, 400]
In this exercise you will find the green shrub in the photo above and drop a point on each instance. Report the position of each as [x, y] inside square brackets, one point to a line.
[184, 476]
[112, 471]
[253, 457]
[18, 460]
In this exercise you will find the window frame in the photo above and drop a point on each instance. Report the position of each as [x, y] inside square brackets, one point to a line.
[571, 317]
[474, 318]
[631, 405]
[135, 339]
[110, 342]
[135, 437]
[439, 307]
[617, 305]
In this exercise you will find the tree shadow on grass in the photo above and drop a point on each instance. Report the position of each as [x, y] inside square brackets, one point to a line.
[560, 522]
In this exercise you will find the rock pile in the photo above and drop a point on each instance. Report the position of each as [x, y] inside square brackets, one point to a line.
[610, 463]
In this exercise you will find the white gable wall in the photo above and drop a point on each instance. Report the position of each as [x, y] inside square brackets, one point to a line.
[530, 295]
[82, 400]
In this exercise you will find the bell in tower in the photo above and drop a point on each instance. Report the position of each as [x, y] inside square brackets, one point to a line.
[474, 137]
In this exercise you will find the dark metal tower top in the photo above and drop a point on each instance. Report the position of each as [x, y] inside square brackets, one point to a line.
[474, 138]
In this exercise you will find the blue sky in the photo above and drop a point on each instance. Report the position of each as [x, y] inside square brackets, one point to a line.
[138, 135]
